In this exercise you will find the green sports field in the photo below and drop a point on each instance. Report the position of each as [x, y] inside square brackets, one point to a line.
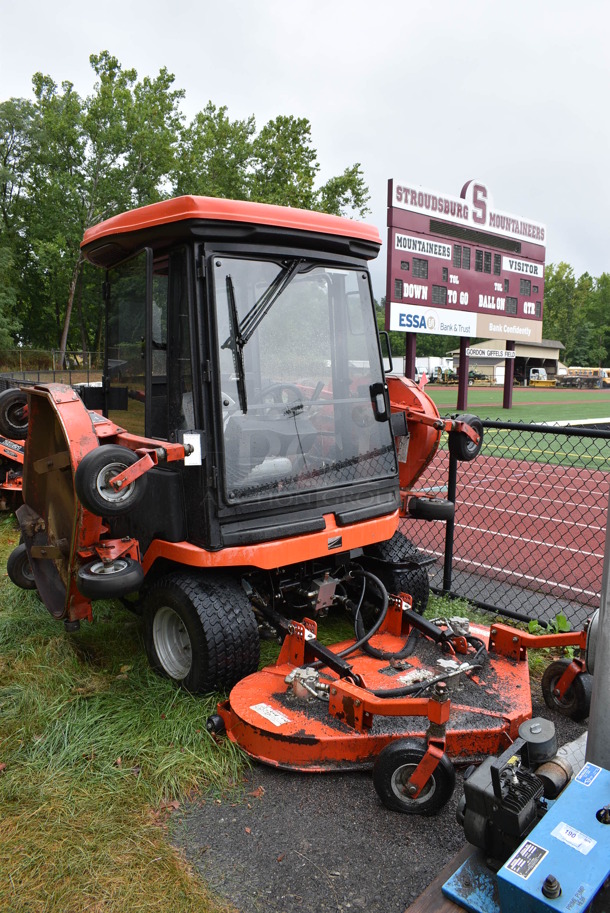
[530, 404]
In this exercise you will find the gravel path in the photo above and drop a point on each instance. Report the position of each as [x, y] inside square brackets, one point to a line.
[320, 843]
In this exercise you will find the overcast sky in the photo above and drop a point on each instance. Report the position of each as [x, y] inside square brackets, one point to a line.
[515, 95]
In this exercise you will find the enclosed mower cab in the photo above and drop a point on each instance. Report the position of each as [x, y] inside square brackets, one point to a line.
[245, 454]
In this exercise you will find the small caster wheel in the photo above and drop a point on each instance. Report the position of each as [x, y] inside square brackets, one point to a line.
[576, 702]
[215, 724]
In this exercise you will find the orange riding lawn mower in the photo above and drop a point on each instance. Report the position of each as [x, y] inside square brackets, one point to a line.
[244, 469]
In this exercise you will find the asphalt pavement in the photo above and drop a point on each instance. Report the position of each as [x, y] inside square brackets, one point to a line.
[317, 843]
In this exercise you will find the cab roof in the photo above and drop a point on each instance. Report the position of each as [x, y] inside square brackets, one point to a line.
[206, 217]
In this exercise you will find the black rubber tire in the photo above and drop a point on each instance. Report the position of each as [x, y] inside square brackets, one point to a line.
[592, 637]
[393, 767]
[14, 414]
[414, 581]
[200, 631]
[431, 509]
[576, 702]
[460, 446]
[92, 476]
[19, 569]
[215, 724]
[110, 581]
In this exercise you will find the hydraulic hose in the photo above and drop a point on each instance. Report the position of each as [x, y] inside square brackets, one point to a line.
[418, 688]
[362, 638]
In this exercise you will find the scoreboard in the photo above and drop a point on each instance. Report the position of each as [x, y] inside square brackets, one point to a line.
[459, 267]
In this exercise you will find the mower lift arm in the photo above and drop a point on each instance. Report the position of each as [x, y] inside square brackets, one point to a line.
[301, 646]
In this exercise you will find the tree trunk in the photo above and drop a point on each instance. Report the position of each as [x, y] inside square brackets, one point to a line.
[64, 335]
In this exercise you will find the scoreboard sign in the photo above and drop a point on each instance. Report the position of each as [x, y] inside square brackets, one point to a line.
[457, 266]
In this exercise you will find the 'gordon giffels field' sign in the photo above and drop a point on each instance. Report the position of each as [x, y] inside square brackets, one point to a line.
[458, 266]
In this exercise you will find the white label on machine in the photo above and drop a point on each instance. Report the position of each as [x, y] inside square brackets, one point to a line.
[588, 774]
[526, 859]
[270, 713]
[192, 440]
[576, 839]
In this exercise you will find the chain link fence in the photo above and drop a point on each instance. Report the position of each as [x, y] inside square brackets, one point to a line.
[35, 366]
[530, 512]
[530, 521]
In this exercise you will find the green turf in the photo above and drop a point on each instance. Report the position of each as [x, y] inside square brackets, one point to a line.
[530, 404]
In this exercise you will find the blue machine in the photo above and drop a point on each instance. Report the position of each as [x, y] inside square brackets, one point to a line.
[562, 864]
[565, 859]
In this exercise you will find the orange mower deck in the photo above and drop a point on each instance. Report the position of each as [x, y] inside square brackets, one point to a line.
[473, 714]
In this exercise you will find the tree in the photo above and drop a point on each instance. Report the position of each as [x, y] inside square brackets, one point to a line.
[16, 140]
[9, 325]
[597, 309]
[95, 157]
[285, 163]
[68, 162]
[215, 155]
[344, 194]
[559, 305]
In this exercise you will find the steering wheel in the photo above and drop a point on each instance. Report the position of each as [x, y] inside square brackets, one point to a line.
[278, 396]
[276, 393]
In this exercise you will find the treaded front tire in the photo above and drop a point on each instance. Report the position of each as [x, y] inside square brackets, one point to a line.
[200, 631]
[414, 580]
[14, 414]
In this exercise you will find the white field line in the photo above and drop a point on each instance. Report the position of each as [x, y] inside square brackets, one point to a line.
[506, 573]
[525, 541]
[535, 481]
[532, 498]
[528, 515]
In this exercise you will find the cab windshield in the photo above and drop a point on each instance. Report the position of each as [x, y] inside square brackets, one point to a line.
[300, 378]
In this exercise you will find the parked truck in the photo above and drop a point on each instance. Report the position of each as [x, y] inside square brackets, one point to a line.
[588, 378]
[246, 454]
[538, 377]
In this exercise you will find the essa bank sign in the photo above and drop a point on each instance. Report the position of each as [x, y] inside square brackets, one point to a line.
[413, 319]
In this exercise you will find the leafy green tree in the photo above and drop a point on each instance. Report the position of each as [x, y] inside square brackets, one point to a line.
[597, 310]
[215, 155]
[285, 163]
[97, 156]
[16, 141]
[559, 318]
[344, 193]
[68, 162]
[9, 324]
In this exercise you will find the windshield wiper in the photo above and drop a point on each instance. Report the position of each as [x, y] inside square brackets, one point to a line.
[242, 332]
[266, 301]
[236, 344]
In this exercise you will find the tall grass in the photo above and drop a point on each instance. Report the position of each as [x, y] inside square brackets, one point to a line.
[95, 751]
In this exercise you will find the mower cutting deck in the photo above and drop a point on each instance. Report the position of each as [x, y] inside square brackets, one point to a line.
[423, 696]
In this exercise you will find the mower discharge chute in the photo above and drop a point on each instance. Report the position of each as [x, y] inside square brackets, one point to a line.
[246, 457]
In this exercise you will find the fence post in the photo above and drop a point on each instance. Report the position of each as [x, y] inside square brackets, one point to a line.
[598, 739]
[449, 531]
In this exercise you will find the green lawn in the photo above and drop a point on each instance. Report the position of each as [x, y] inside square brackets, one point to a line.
[530, 404]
